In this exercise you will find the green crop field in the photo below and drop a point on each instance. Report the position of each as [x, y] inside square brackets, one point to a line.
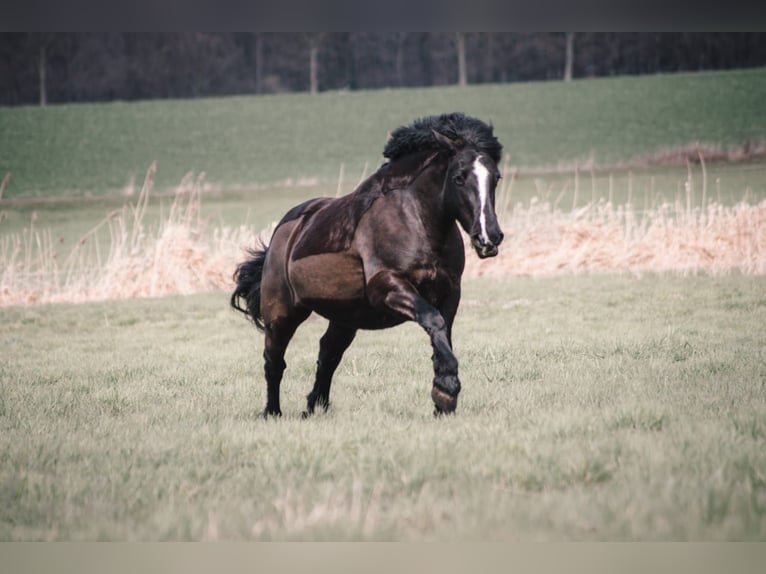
[594, 406]
[245, 141]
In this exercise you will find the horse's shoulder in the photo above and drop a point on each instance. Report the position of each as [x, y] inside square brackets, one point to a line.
[329, 225]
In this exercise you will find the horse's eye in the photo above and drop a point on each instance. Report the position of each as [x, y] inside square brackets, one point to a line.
[459, 179]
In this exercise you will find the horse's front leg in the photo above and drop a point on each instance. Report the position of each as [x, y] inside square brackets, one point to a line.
[390, 292]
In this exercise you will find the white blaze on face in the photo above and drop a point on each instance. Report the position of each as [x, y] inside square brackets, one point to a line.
[482, 179]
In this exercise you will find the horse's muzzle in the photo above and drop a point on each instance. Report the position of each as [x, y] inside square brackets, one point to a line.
[484, 249]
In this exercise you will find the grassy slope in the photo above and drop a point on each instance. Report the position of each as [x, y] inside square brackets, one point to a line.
[99, 148]
[601, 408]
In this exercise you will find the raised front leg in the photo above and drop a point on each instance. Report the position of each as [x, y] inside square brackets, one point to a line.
[331, 348]
[390, 292]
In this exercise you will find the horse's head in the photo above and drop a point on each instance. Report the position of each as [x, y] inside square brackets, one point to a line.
[469, 187]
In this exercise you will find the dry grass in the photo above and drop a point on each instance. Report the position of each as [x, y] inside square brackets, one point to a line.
[180, 256]
[184, 255]
[542, 240]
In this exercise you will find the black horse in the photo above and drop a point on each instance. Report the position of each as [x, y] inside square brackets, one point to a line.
[386, 253]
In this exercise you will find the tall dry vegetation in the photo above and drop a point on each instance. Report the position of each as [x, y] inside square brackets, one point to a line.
[542, 240]
[184, 255]
[179, 256]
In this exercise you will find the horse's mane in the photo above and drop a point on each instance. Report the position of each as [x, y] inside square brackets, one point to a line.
[463, 130]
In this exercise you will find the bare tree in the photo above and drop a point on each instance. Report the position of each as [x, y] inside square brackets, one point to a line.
[399, 38]
[489, 60]
[461, 71]
[43, 64]
[425, 53]
[569, 57]
[314, 41]
[258, 62]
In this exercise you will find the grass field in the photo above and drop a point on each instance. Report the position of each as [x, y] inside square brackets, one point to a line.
[621, 406]
[244, 141]
[602, 408]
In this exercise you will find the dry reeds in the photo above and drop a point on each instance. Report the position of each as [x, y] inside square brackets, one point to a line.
[183, 254]
[179, 256]
[542, 240]
[4, 184]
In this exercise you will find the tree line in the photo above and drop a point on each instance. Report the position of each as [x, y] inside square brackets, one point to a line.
[78, 67]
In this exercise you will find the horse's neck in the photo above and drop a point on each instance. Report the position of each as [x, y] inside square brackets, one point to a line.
[422, 174]
[428, 188]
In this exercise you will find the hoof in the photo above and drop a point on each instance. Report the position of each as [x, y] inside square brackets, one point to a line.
[309, 412]
[268, 413]
[445, 403]
[313, 402]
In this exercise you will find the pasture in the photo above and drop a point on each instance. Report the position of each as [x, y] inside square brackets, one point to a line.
[606, 408]
[244, 142]
[601, 400]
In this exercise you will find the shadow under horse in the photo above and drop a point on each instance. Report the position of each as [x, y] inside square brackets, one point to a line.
[388, 252]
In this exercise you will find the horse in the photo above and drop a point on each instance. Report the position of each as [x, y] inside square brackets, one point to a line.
[388, 252]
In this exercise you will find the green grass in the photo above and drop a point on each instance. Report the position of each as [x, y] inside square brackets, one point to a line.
[601, 407]
[243, 141]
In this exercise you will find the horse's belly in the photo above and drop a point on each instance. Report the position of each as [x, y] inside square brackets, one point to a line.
[332, 285]
[327, 276]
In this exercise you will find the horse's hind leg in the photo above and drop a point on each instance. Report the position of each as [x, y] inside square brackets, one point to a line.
[278, 334]
[333, 344]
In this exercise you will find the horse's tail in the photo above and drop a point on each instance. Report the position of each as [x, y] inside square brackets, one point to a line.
[248, 279]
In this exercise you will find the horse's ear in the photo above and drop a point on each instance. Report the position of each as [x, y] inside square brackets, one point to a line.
[451, 144]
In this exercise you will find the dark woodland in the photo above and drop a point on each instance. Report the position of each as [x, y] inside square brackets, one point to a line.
[40, 68]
